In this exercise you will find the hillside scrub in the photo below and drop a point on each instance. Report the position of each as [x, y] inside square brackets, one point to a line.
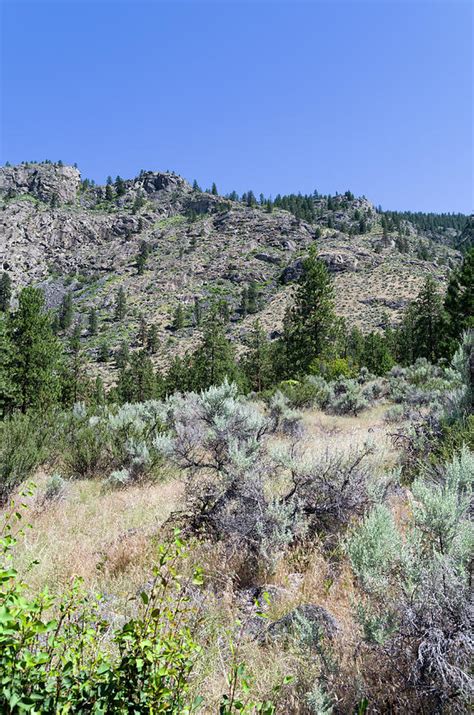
[326, 559]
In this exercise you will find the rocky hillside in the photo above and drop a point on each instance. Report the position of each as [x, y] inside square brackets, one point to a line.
[69, 235]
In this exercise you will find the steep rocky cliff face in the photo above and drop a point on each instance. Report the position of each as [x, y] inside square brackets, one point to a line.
[70, 236]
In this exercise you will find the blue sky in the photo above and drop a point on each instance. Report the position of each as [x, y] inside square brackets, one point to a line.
[276, 96]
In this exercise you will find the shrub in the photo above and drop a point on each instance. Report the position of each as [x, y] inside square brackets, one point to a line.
[374, 549]
[53, 657]
[347, 398]
[55, 487]
[25, 443]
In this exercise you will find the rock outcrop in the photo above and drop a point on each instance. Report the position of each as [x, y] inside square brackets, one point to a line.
[46, 182]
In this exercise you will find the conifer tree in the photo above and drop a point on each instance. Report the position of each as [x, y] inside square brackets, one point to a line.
[252, 297]
[430, 322]
[5, 292]
[66, 312]
[152, 339]
[142, 330]
[142, 257]
[104, 352]
[109, 193]
[214, 189]
[459, 301]
[311, 322]
[120, 304]
[120, 186]
[197, 312]
[137, 382]
[93, 322]
[178, 319]
[8, 395]
[215, 358]
[376, 356]
[122, 356]
[244, 303]
[36, 356]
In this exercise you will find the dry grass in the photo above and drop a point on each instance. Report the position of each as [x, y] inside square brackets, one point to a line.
[108, 538]
[102, 536]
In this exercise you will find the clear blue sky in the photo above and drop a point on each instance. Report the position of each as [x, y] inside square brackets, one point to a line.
[277, 96]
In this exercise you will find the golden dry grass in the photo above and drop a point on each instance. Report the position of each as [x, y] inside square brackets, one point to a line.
[100, 535]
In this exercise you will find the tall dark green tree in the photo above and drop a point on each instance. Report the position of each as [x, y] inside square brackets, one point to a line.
[376, 356]
[214, 359]
[142, 330]
[197, 312]
[142, 257]
[423, 329]
[430, 322]
[122, 356]
[36, 352]
[66, 312]
[459, 302]
[244, 302]
[8, 397]
[178, 319]
[137, 382]
[5, 291]
[311, 322]
[93, 322]
[120, 304]
[252, 297]
[152, 339]
[120, 186]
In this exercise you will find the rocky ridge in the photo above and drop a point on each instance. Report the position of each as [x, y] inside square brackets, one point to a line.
[65, 235]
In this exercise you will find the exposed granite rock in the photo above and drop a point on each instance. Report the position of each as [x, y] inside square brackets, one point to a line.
[43, 181]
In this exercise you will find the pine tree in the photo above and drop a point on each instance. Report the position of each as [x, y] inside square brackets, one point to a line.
[142, 330]
[120, 304]
[252, 297]
[65, 312]
[257, 364]
[152, 340]
[178, 319]
[429, 322]
[214, 359]
[104, 352]
[311, 321]
[376, 356]
[197, 312]
[109, 193]
[121, 357]
[214, 189]
[178, 376]
[93, 322]
[223, 310]
[36, 352]
[137, 382]
[244, 304]
[5, 292]
[120, 186]
[142, 257]
[459, 302]
[8, 395]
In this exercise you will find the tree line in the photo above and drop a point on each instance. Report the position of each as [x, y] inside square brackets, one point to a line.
[37, 368]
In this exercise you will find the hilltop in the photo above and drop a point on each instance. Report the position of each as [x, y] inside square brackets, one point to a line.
[68, 235]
